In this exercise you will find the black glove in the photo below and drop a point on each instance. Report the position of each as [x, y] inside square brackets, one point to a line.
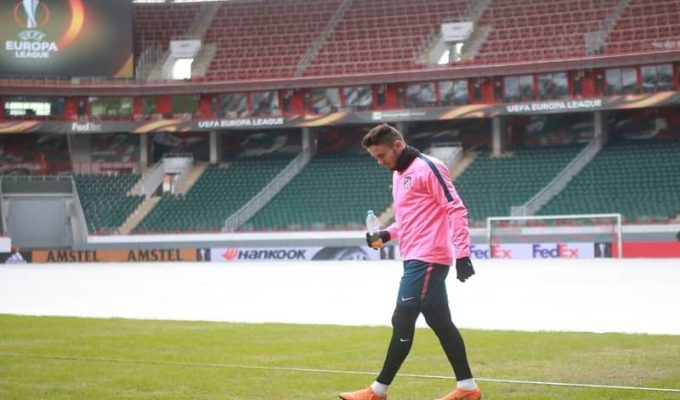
[464, 269]
[383, 235]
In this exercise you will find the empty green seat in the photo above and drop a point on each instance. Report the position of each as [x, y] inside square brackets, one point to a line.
[490, 186]
[332, 192]
[638, 179]
[105, 201]
[215, 196]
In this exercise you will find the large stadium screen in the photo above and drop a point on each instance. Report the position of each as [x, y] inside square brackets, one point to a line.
[66, 38]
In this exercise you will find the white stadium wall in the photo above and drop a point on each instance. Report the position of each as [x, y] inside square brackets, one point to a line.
[596, 295]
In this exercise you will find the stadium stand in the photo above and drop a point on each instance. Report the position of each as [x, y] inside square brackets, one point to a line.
[551, 130]
[157, 24]
[526, 30]
[34, 154]
[423, 135]
[105, 201]
[639, 179]
[194, 143]
[332, 192]
[115, 147]
[217, 194]
[646, 25]
[270, 39]
[265, 39]
[272, 142]
[490, 185]
[369, 38]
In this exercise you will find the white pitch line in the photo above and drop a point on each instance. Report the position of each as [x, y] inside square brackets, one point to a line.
[333, 371]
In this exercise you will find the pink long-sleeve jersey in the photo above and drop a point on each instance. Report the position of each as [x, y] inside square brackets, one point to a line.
[430, 218]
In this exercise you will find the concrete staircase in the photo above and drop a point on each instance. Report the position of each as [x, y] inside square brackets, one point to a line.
[203, 59]
[192, 176]
[595, 40]
[204, 18]
[480, 33]
[476, 9]
[458, 169]
[197, 30]
[156, 71]
[138, 215]
[434, 46]
[554, 187]
[475, 42]
[321, 40]
[147, 205]
[137, 188]
[146, 62]
[275, 186]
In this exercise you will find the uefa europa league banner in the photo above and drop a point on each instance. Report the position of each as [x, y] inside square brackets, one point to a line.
[665, 99]
[66, 38]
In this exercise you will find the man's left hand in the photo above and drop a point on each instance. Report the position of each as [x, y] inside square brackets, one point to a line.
[464, 269]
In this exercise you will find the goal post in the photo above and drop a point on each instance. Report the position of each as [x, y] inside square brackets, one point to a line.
[555, 236]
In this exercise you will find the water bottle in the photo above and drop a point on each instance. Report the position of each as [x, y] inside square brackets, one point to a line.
[372, 222]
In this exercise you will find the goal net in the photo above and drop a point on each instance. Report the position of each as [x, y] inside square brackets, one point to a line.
[555, 236]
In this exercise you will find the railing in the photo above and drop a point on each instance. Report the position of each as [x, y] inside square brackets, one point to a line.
[561, 180]
[321, 39]
[151, 182]
[261, 199]
[178, 155]
[67, 167]
[80, 214]
[107, 167]
[203, 60]
[179, 163]
[202, 21]
[36, 178]
[25, 184]
[475, 9]
[147, 60]
[51, 168]
[126, 86]
[36, 167]
[595, 40]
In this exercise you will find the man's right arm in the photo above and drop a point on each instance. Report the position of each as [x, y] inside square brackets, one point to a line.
[378, 239]
[393, 230]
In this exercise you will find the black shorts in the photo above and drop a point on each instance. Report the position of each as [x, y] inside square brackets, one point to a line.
[423, 284]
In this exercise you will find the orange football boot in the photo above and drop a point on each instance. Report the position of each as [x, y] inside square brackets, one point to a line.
[364, 394]
[460, 394]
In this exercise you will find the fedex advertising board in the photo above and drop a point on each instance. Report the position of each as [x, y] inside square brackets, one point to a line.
[541, 250]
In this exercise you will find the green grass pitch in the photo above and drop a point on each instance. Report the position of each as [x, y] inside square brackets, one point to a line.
[99, 359]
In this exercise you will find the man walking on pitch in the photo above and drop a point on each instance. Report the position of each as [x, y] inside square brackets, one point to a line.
[430, 217]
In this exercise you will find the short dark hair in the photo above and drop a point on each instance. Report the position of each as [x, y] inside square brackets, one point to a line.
[382, 134]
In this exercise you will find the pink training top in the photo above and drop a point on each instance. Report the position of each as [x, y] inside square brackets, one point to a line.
[429, 214]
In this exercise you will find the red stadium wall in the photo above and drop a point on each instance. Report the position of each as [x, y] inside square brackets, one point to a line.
[651, 249]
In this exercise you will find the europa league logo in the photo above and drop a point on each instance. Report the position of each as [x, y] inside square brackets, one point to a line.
[31, 8]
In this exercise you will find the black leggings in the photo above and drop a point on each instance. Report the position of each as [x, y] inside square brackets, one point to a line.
[439, 319]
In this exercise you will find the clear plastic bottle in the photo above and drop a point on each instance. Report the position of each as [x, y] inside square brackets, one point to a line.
[372, 222]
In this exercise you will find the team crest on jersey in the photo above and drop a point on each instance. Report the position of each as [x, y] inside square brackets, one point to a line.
[407, 183]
